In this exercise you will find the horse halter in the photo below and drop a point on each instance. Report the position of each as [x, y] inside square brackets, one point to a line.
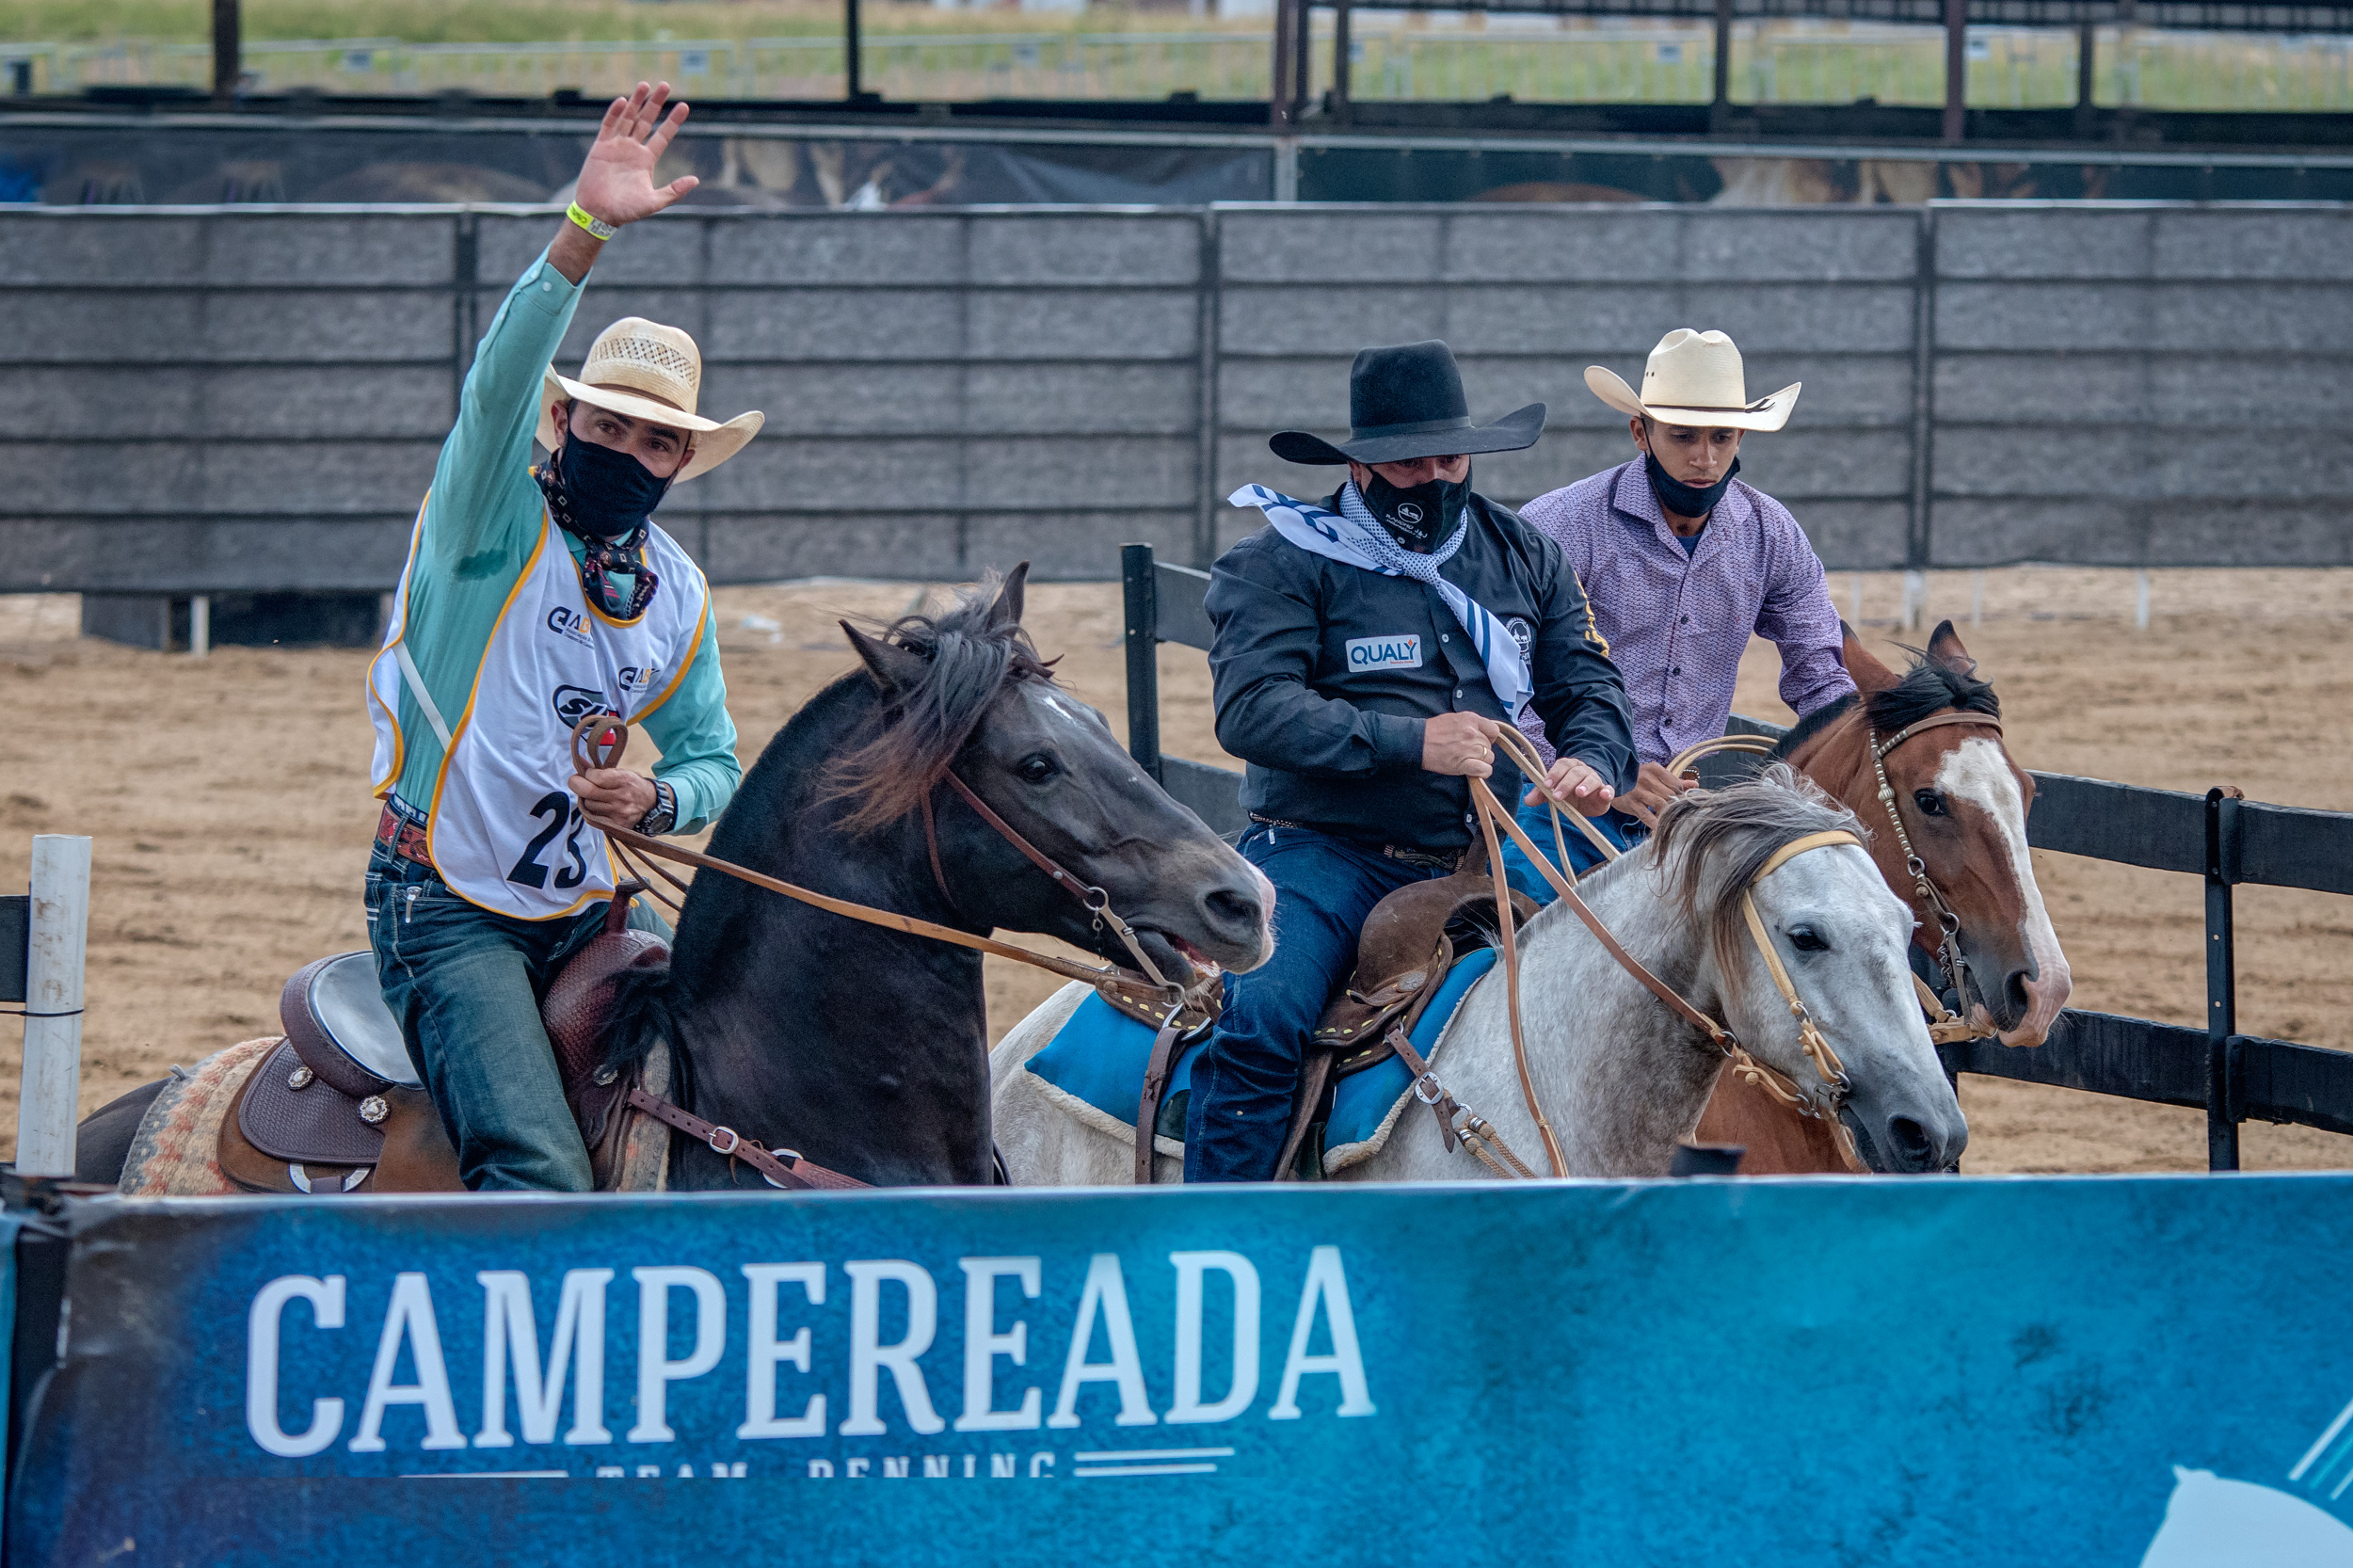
[1096, 900]
[1948, 955]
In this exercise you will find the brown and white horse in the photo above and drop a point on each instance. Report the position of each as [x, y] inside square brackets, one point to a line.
[1962, 804]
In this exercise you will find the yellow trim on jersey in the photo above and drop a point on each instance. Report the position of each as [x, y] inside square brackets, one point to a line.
[694, 648]
[379, 788]
[457, 735]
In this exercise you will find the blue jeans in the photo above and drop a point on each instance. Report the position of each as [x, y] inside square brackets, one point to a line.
[1247, 1079]
[1536, 822]
[466, 984]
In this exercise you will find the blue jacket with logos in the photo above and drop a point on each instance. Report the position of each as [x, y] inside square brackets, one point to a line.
[1324, 674]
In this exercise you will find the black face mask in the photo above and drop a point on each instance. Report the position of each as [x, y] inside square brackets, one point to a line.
[1688, 500]
[1424, 516]
[597, 492]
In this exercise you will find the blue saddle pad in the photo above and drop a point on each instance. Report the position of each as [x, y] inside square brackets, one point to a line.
[1100, 1054]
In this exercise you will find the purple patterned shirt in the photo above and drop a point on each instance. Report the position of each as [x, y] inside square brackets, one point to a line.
[1677, 625]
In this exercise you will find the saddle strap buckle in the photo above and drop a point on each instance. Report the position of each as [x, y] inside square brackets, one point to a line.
[734, 1140]
[1427, 1090]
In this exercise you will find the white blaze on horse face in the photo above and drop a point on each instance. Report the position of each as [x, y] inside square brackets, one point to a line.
[1978, 771]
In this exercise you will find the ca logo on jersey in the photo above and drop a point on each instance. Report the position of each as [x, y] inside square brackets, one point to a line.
[569, 623]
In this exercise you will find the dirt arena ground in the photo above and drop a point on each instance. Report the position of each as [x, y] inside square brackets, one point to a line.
[228, 799]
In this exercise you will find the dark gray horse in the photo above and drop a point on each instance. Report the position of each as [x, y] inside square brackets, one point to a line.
[867, 1048]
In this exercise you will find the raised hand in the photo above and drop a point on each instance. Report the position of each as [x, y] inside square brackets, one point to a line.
[616, 183]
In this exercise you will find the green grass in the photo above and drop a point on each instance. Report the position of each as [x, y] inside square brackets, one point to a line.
[1083, 55]
[531, 21]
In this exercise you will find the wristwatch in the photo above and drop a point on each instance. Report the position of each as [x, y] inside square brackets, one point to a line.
[663, 815]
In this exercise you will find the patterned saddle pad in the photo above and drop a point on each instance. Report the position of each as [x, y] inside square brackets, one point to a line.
[1099, 1058]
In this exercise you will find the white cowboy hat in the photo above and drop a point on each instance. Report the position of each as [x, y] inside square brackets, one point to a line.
[665, 371]
[1694, 379]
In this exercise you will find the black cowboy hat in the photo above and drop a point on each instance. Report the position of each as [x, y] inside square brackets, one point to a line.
[1405, 403]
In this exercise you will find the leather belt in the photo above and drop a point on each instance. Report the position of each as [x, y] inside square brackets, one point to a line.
[1439, 859]
[404, 838]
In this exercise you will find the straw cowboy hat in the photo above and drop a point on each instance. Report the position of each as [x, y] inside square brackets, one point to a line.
[1694, 379]
[661, 370]
[1405, 403]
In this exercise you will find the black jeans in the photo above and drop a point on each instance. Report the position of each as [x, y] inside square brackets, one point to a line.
[466, 984]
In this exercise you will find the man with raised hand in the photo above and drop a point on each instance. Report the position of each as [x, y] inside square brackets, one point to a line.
[1684, 562]
[532, 598]
[1369, 648]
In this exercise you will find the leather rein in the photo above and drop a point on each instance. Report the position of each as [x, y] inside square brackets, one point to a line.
[1492, 816]
[600, 740]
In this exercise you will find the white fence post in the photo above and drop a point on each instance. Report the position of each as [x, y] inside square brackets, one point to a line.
[200, 625]
[49, 1099]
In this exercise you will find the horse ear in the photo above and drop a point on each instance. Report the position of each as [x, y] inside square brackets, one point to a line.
[1944, 649]
[894, 668]
[1007, 610]
[1868, 673]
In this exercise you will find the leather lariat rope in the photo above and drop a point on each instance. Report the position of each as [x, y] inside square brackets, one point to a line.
[1493, 816]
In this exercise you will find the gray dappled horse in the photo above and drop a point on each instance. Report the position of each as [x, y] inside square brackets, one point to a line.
[1622, 1078]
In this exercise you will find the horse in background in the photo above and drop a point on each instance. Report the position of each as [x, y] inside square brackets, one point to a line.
[1962, 801]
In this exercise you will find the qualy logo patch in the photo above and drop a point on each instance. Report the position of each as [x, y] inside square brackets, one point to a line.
[1409, 513]
[1397, 651]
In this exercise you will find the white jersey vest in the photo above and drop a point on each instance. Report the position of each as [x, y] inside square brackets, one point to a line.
[505, 832]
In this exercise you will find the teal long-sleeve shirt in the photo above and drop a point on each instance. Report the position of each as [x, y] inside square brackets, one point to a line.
[479, 526]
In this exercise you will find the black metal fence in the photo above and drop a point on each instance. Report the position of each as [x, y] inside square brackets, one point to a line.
[2228, 840]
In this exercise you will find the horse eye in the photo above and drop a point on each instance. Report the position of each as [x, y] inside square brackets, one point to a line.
[1037, 768]
[1806, 939]
[1929, 802]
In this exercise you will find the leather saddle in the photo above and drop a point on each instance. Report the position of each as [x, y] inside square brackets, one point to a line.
[1408, 944]
[1410, 941]
[338, 1105]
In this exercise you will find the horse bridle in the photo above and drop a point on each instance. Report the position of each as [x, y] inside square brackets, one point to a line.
[1492, 816]
[1948, 953]
[1946, 1026]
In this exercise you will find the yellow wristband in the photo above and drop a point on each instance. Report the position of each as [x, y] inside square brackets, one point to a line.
[590, 221]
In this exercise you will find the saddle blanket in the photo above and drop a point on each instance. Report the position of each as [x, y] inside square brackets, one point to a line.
[1098, 1058]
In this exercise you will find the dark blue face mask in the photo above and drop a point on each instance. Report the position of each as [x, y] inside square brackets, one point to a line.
[1688, 500]
[600, 493]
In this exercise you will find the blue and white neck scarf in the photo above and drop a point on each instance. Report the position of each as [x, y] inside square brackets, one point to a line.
[1353, 534]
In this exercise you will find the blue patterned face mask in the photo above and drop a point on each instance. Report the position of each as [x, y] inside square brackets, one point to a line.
[1686, 501]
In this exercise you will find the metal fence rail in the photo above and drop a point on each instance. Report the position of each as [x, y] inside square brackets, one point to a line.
[249, 399]
[2228, 840]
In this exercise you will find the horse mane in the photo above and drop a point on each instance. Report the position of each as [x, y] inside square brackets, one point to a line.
[1712, 844]
[969, 655]
[1930, 686]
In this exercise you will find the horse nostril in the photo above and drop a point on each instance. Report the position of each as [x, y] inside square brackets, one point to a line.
[2020, 999]
[1910, 1142]
[1233, 910]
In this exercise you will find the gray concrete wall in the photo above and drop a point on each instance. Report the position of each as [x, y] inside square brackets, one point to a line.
[216, 400]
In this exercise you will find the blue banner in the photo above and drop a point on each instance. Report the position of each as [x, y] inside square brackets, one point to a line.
[1928, 1371]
